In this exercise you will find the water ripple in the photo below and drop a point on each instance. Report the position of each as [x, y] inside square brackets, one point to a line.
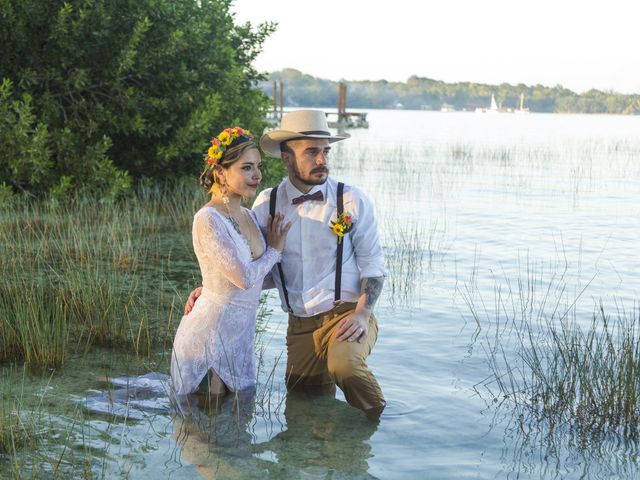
[397, 408]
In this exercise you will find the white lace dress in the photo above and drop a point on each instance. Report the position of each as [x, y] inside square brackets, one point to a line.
[219, 332]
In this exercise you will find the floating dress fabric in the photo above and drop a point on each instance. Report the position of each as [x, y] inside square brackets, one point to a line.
[219, 332]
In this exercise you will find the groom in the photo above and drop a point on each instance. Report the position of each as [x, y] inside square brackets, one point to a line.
[332, 268]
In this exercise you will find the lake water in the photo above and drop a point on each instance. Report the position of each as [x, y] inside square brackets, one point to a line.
[473, 209]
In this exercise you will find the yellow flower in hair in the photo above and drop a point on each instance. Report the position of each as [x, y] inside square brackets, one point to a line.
[220, 143]
[225, 138]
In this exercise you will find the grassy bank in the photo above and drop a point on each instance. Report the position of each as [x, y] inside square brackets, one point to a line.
[73, 275]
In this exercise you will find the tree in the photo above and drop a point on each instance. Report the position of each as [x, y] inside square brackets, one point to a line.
[24, 156]
[128, 88]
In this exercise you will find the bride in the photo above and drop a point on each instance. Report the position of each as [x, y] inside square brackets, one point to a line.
[213, 346]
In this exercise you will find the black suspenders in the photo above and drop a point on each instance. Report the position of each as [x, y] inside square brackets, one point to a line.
[340, 248]
[272, 212]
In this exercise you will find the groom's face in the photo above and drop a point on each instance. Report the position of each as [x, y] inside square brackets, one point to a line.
[307, 161]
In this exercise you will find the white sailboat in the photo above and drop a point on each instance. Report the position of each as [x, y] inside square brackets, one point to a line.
[494, 105]
[522, 109]
[492, 109]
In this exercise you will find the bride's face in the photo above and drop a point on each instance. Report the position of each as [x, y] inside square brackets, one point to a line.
[244, 175]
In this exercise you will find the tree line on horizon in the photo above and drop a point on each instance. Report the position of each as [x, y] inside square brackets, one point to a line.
[419, 93]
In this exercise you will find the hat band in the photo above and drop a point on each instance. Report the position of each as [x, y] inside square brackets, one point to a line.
[316, 132]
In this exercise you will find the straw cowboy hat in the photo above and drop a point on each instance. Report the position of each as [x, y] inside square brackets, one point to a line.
[298, 124]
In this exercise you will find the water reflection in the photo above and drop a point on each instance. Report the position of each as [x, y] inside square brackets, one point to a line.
[313, 437]
[323, 435]
[533, 449]
[213, 436]
[323, 438]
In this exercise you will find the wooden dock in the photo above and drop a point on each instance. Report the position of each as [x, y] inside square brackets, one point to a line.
[341, 119]
[346, 120]
[274, 116]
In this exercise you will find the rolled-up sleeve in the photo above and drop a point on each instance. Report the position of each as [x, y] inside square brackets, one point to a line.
[365, 238]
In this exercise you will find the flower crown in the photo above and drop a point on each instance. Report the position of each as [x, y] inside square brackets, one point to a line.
[220, 143]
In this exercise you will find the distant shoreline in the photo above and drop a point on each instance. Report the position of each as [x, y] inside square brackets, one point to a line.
[418, 93]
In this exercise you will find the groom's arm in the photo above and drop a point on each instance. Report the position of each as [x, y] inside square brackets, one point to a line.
[355, 327]
[193, 296]
[191, 301]
[365, 239]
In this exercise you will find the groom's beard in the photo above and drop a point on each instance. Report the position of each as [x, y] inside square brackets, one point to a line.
[310, 181]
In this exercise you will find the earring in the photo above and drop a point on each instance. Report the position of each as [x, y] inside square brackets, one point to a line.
[225, 197]
[215, 185]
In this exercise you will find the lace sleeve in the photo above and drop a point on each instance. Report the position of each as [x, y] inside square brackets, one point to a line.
[221, 253]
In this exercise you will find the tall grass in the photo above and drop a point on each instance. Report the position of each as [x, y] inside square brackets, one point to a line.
[405, 249]
[34, 441]
[410, 250]
[422, 171]
[553, 365]
[268, 398]
[81, 274]
[18, 426]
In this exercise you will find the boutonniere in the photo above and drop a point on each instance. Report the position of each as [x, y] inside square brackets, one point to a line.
[342, 226]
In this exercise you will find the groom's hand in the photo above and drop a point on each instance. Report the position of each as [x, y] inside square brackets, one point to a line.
[354, 328]
[192, 300]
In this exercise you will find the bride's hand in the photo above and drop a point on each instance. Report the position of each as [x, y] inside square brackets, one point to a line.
[193, 296]
[277, 231]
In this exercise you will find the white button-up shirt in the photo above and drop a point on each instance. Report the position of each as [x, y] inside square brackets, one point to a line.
[309, 256]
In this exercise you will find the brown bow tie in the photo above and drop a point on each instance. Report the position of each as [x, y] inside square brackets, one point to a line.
[303, 198]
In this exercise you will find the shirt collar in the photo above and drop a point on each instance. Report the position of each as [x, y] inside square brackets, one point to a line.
[293, 192]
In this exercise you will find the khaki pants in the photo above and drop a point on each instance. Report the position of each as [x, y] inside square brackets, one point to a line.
[316, 361]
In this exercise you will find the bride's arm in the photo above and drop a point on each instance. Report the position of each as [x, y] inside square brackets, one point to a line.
[223, 253]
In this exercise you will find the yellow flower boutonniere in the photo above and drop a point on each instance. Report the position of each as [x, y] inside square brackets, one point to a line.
[342, 226]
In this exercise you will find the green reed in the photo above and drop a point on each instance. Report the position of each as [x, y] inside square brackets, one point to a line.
[86, 273]
[423, 170]
[268, 399]
[409, 248]
[553, 365]
[405, 251]
[35, 441]
[16, 432]
[19, 426]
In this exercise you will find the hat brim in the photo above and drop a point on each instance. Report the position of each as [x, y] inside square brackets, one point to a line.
[270, 141]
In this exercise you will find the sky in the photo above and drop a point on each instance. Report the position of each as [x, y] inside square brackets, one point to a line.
[577, 44]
